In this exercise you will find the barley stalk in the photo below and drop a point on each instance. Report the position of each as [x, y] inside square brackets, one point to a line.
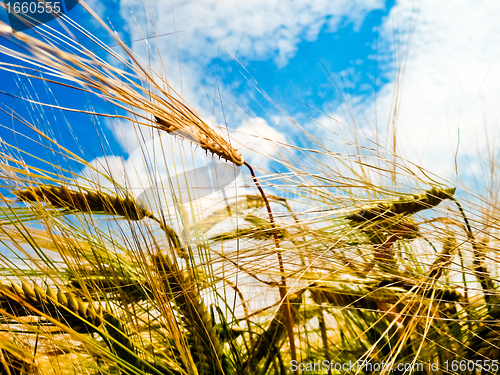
[287, 311]
[205, 346]
[272, 339]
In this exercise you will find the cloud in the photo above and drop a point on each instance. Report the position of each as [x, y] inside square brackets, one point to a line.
[207, 31]
[220, 29]
[443, 86]
[258, 29]
[447, 100]
[258, 141]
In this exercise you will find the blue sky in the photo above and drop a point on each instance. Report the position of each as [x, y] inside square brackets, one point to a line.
[328, 65]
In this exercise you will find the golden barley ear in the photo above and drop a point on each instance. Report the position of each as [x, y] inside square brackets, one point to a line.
[115, 86]
[84, 201]
[201, 135]
[66, 308]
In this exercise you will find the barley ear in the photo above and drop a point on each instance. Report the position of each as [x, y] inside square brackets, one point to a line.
[34, 301]
[84, 201]
[200, 134]
[407, 205]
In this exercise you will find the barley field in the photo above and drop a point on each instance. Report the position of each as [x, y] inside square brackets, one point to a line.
[208, 250]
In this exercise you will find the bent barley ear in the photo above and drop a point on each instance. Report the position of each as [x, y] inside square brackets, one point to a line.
[83, 201]
[407, 205]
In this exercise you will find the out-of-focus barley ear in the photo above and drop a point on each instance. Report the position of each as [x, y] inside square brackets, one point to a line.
[407, 205]
[51, 294]
[40, 294]
[445, 258]
[61, 298]
[84, 201]
[73, 304]
[28, 291]
[17, 289]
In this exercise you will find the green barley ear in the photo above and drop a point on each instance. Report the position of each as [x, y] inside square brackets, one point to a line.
[407, 205]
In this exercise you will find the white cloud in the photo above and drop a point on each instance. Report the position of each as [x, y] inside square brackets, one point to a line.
[258, 29]
[447, 101]
[257, 141]
[450, 88]
[208, 30]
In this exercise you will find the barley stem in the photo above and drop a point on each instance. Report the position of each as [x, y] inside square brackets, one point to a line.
[480, 271]
[283, 288]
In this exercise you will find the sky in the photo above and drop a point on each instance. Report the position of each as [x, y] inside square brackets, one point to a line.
[426, 70]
